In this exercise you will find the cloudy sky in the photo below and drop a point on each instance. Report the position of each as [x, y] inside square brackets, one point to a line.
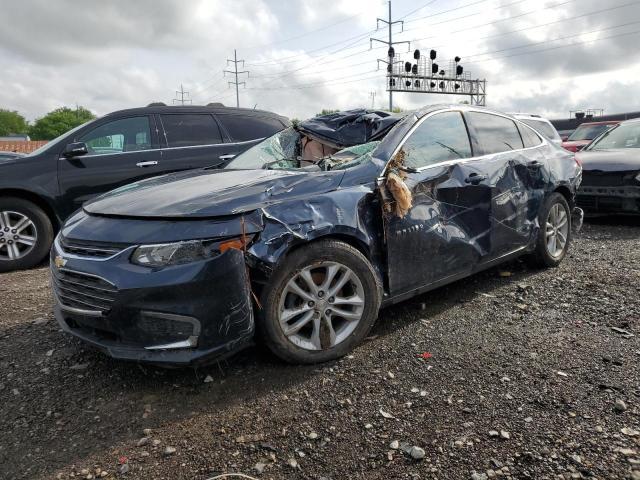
[543, 56]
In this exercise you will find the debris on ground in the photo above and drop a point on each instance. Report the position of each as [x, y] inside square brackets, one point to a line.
[263, 413]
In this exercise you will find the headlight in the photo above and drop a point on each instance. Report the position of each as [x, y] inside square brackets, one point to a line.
[638, 177]
[179, 253]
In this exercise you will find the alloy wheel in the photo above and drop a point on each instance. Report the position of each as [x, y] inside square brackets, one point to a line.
[321, 306]
[557, 230]
[18, 235]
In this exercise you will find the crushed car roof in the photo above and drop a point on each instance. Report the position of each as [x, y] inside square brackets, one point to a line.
[350, 127]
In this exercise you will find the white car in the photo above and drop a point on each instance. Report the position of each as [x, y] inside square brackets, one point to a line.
[541, 125]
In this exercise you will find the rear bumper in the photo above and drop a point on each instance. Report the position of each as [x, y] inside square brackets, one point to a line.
[175, 316]
[614, 200]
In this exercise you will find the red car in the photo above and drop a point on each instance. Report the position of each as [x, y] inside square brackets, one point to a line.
[582, 136]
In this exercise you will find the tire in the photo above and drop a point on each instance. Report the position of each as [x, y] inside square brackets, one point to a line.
[542, 257]
[314, 342]
[38, 231]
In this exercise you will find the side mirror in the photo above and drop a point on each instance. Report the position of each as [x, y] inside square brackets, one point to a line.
[75, 150]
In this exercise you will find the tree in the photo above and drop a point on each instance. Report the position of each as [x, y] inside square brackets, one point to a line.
[59, 121]
[11, 122]
[326, 111]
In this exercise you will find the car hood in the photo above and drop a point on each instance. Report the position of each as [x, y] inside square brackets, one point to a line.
[211, 193]
[620, 160]
[8, 161]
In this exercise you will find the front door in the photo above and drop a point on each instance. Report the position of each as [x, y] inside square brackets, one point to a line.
[120, 151]
[446, 232]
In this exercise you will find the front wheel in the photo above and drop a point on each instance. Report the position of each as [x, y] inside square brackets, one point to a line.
[555, 232]
[26, 234]
[320, 303]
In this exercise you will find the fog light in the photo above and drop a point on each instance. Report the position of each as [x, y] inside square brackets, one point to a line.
[168, 331]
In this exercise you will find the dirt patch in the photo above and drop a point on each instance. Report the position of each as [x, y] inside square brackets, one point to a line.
[516, 374]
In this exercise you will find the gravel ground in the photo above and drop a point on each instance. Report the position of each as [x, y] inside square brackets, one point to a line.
[531, 375]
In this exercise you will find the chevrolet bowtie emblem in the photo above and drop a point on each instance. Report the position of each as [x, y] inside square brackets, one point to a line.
[59, 261]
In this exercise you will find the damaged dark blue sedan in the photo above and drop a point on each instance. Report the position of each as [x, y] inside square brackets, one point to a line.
[302, 238]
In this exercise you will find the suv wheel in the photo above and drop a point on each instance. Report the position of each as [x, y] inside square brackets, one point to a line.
[320, 303]
[26, 234]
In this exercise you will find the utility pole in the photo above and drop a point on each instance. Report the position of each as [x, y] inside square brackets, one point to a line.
[373, 99]
[235, 72]
[184, 96]
[391, 52]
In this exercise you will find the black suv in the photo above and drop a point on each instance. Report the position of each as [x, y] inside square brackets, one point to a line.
[39, 191]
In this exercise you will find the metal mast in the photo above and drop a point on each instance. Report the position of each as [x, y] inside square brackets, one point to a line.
[235, 72]
[182, 100]
[390, 43]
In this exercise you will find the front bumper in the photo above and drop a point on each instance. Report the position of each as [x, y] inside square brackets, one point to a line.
[613, 200]
[175, 316]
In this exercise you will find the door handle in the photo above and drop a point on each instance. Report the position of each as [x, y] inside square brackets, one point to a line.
[534, 164]
[475, 179]
[146, 164]
[227, 157]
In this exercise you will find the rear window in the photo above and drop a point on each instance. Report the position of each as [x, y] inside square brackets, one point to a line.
[543, 127]
[244, 128]
[496, 134]
[192, 129]
[529, 137]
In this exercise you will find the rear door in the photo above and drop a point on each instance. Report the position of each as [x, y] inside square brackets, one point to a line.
[120, 151]
[445, 233]
[511, 170]
[244, 131]
[192, 140]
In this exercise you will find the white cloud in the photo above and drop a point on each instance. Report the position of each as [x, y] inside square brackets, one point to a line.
[123, 53]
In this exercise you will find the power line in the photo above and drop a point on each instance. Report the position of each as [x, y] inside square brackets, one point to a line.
[319, 83]
[235, 71]
[442, 12]
[184, 96]
[360, 52]
[486, 24]
[417, 9]
[548, 23]
[333, 24]
[559, 46]
[218, 76]
[328, 83]
[307, 52]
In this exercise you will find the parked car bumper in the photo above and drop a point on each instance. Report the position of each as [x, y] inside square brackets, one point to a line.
[611, 200]
[174, 316]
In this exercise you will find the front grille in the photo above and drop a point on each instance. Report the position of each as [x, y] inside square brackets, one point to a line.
[90, 249]
[83, 291]
[596, 178]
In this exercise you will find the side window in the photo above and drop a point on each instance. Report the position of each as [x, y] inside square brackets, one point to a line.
[244, 128]
[496, 134]
[124, 135]
[439, 138]
[185, 130]
[529, 137]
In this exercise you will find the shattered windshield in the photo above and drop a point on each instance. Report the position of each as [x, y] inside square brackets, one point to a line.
[289, 149]
[283, 146]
